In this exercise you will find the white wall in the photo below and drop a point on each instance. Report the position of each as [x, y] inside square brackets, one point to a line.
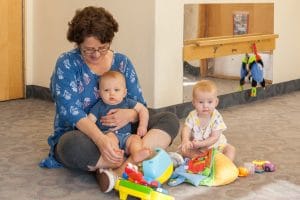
[151, 34]
[286, 55]
[190, 28]
[46, 28]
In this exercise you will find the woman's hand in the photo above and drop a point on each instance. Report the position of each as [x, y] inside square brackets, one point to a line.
[111, 151]
[107, 146]
[117, 118]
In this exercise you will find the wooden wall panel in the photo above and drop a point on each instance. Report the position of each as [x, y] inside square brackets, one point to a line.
[11, 50]
[219, 18]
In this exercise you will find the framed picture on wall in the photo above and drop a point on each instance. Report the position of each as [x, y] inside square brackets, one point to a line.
[240, 22]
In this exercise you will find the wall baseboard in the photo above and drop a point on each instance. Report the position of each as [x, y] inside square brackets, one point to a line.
[237, 98]
[38, 92]
[182, 110]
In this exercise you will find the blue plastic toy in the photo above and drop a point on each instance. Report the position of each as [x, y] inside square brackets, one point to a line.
[159, 167]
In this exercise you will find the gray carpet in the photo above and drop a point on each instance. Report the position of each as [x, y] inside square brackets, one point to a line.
[267, 129]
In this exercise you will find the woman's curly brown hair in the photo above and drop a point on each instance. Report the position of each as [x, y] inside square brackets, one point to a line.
[92, 21]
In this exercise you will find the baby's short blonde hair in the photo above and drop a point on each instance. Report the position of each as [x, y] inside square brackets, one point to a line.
[205, 86]
[113, 74]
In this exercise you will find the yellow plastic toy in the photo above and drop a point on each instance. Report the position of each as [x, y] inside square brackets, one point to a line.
[126, 188]
[243, 171]
[226, 171]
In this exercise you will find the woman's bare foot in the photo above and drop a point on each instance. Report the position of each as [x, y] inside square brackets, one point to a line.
[141, 155]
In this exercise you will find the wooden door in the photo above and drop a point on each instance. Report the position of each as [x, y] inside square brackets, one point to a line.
[11, 50]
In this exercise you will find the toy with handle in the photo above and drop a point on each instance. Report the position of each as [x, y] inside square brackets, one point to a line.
[126, 188]
[160, 167]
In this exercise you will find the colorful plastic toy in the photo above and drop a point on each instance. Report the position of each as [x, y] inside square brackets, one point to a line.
[250, 167]
[159, 167]
[200, 163]
[243, 171]
[263, 166]
[222, 171]
[134, 183]
[269, 167]
[132, 174]
[126, 188]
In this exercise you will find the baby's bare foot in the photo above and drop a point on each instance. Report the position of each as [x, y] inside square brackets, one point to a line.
[141, 155]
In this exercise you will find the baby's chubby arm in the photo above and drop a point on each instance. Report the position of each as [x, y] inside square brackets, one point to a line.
[211, 140]
[143, 114]
[186, 143]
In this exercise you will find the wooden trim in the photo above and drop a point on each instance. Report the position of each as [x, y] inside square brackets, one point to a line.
[211, 47]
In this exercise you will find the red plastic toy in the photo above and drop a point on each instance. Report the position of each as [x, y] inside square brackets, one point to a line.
[198, 164]
[132, 174]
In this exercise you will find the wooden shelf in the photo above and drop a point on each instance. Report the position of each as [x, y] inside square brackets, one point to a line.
[212, 47]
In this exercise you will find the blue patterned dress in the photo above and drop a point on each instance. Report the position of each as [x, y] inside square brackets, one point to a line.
[74, 88]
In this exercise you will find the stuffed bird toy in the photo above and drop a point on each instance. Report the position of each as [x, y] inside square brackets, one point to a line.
[252, 68]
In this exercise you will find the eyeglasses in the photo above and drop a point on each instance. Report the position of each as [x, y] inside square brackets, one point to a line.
[92, 51]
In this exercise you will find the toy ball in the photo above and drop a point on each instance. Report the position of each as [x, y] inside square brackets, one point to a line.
[159, 167]
[243, 171]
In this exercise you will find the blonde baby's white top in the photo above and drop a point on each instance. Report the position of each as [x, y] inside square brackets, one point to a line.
[199, 133]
